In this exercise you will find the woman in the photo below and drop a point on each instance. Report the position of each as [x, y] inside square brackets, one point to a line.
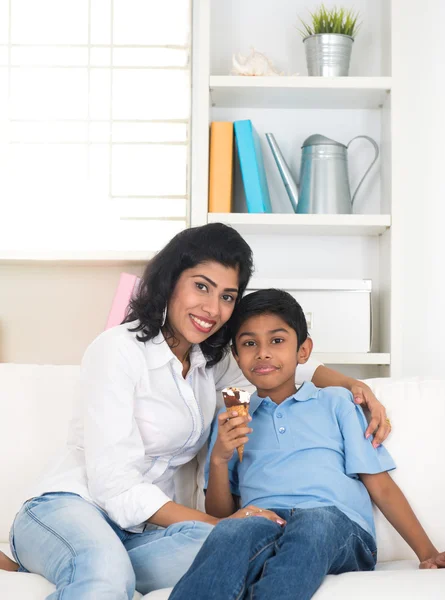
[103, 520]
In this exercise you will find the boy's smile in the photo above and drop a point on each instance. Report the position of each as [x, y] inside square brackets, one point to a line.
[266, 351]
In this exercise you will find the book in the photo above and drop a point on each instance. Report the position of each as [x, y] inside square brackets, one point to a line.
[221, 167]
[252, 167]
[125, 290]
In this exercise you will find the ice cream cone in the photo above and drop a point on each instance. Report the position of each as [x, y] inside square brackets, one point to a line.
[238, 400]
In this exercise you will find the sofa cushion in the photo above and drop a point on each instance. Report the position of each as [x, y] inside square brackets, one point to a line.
[416, 408]
[35, 409]
[27, 586]
[402, 579]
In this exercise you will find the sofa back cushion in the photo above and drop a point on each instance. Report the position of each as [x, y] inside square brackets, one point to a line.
[416, 408]
[35, 408]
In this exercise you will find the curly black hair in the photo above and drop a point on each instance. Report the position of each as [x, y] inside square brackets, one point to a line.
[213, 242]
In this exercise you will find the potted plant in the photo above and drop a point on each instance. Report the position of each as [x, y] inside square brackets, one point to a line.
[328, 40]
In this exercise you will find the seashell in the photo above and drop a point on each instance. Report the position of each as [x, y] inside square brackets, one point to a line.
[254, 64]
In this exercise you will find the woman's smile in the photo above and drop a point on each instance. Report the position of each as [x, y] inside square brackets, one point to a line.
[202, 324]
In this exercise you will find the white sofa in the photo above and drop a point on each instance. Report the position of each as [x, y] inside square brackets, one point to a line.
[35, 405]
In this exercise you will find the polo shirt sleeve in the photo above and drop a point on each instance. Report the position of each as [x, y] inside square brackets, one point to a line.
[233, 463]
[360, 456]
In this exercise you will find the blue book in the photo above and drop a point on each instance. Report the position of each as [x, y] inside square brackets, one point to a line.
[252, 167]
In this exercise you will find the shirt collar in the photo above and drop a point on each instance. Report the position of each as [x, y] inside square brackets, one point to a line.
[158, 353]
[305, 392]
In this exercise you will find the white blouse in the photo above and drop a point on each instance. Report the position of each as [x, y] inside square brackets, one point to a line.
[137, 421]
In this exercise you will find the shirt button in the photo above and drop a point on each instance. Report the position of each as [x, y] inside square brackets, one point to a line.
[279, 415]
[282, 429]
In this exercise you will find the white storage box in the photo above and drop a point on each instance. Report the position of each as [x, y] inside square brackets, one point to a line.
[338, 312]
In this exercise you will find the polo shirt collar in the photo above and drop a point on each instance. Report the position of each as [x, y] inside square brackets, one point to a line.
[305, 392]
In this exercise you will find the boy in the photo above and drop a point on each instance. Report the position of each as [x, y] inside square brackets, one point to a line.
[307, 460]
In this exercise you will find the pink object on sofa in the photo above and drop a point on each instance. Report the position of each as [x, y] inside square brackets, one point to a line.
[125, 289]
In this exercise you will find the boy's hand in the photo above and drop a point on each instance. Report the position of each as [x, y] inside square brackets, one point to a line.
[254, 511]
[435, 562]
[232, 432]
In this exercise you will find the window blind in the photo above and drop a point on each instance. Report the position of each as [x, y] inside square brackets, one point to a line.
[94, 123]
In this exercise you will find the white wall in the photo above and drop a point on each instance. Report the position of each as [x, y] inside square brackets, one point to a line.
[419, 187]
[49, 313]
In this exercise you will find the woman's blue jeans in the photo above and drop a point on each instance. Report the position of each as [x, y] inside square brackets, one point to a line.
[75, 545]
[257, 559]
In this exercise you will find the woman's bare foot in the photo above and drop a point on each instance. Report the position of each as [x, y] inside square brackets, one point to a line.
[6, 564]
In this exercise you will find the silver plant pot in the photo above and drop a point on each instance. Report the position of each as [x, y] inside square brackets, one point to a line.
[328, 54]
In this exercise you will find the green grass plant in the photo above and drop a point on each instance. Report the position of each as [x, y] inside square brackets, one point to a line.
[335, 20]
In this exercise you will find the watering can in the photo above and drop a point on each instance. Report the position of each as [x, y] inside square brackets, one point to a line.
[324, 179]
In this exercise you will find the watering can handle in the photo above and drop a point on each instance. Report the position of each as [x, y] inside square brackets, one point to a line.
[376, 148]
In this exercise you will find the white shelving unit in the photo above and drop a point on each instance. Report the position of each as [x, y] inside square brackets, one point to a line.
[289, 224]
[358, 245]
[299, 92]
[350, 358]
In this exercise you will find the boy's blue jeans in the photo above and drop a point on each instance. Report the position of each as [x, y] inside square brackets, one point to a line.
[75, 545]
[257, 559]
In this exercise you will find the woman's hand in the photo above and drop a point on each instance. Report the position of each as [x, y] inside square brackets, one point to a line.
[232, 432]
[435, 562]
[379, 423]
[254, 511]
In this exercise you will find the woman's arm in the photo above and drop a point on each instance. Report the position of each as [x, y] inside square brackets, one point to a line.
[325, 377]
[387, 495]
[175, 513]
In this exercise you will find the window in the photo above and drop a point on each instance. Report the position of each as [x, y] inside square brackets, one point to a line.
[94, 123]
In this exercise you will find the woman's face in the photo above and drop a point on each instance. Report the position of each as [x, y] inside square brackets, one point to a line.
[202, 301]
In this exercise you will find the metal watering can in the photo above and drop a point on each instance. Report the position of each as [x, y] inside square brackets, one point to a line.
[324, 179]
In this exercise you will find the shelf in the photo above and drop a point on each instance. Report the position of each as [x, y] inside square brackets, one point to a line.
[292, 224]
[353, 358]
[106, 257]
[299, 92]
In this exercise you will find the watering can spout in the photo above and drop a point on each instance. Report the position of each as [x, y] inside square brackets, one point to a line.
[286, 175]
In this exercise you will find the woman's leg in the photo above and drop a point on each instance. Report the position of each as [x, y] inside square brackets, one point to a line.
[6, 564]
[161, 557]
[70, 542]
[231, 558]
[316, 542]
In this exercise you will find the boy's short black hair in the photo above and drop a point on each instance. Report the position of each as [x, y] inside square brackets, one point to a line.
[272, 302]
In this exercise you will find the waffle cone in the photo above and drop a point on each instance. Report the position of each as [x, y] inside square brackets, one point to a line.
[243, 411]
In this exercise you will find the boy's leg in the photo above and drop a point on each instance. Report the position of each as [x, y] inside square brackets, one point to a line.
[231, 558]
[161, 557]
[69, 541]
[316, 542]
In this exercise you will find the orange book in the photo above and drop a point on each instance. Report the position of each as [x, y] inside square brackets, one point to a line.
[221, 167]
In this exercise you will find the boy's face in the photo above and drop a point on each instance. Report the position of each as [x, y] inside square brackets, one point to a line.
[266, 351]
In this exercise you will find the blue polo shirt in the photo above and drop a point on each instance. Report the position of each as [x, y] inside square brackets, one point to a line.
[307, 452]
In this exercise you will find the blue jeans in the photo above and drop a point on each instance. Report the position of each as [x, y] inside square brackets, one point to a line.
[76, 546]
[257, 559]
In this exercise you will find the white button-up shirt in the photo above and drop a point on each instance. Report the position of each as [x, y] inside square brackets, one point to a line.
[137, 421]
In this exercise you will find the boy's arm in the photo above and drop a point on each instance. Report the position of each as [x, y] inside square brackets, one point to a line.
[386, 494]
[219, 499]
[232, 433]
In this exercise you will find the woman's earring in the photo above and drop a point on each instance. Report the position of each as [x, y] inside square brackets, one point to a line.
[164, 317]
